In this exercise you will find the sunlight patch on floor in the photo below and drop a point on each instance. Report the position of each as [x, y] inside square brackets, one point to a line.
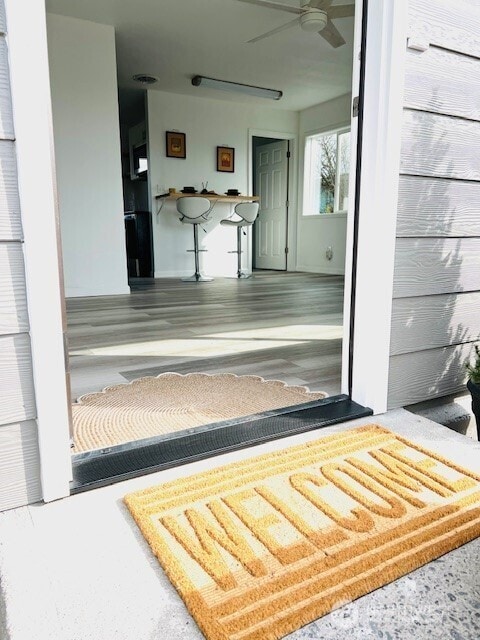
[304, 332]
[195, 348]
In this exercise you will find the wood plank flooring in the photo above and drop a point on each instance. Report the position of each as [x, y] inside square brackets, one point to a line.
[277, 325]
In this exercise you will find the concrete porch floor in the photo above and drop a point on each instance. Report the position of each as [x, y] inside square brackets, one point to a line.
[79, 569]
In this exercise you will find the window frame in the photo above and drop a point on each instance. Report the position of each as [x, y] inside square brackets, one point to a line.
[307, 161]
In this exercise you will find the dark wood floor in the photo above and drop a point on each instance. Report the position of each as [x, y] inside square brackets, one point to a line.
[277, 325]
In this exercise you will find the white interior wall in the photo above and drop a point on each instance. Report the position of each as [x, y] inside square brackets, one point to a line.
[87, 143]
[316, 234]
[87, 149]
[207, 124]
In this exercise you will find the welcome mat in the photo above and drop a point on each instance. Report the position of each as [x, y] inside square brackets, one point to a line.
[172, 402]
[260, 548]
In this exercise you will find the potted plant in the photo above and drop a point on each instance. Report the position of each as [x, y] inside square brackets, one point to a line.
[473, 385]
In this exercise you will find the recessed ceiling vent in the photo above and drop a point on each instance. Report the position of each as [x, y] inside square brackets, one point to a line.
[144, 79]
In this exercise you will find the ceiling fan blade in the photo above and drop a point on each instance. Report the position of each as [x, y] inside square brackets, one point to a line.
[332, 35]
[342, 11]
[274, 5]
[274, 31]
[319, 4]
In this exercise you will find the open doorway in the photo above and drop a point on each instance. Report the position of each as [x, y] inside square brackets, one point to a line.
[274, 326]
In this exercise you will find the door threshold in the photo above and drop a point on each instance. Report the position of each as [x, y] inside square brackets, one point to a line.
[102, 467]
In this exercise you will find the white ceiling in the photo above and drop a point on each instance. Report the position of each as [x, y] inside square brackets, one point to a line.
[177, 39]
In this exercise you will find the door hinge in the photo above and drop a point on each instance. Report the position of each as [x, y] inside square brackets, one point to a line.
[289, 153]
[287, 203]
[355, 107]
[286, 249]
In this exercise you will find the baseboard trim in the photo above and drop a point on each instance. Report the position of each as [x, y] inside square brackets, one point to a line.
[93, 293]
[330, 271]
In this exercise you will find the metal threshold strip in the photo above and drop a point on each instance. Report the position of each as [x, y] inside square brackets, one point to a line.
[99, 468]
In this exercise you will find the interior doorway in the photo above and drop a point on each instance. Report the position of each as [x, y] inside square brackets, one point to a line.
[135, 182]
[271, 172]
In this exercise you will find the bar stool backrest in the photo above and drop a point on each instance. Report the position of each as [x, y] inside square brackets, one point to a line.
[248, 211]
[193, 209]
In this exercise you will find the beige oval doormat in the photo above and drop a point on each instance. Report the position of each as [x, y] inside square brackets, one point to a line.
[259, 548]
[172, 402]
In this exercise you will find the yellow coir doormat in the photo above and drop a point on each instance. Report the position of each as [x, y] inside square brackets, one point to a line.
[259, 548]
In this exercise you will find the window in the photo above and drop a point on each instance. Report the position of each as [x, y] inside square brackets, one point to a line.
[327, 169]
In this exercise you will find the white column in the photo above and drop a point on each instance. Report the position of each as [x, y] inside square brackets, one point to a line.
[27, 43]
[382, 126]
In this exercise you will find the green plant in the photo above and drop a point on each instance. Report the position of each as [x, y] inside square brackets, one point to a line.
[474, 368]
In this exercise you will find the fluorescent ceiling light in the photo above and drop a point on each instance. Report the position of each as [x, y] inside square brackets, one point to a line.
[224, 85]
[143, 78]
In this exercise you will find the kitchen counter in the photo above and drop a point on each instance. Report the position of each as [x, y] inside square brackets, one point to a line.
[213, 197]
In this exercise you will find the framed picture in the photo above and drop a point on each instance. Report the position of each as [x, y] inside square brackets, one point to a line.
[226, 159]
[176, 147]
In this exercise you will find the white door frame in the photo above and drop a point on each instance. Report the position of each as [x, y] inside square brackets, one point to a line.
[30, 83]
[27, 40]
[373, 248]
[292, 187]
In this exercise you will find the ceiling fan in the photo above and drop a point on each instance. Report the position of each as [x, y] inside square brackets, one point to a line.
[312, 15]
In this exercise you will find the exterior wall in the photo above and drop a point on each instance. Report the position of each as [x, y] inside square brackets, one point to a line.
[436, 292]
[19, 456]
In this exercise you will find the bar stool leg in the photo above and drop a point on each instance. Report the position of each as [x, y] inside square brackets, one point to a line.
[197, 276]
[195, 244]
[240, 274]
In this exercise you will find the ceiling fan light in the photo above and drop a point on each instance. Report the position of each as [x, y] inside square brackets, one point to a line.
[313, 20]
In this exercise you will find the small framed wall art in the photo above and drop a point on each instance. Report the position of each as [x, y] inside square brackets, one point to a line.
[226, 159]
[176, 144]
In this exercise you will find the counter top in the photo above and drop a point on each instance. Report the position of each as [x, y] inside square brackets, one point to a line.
[217, 197]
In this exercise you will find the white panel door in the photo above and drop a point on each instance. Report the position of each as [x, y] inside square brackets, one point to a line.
[271, 225]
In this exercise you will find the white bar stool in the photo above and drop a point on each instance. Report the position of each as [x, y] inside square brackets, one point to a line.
[194, 210]
[247, 212]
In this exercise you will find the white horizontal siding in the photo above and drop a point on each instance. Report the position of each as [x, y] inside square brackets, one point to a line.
[436, 305]
[10, 222]
[438, 207]
[422, 375]
[6, 115]
[428, 266]
[19, 465]
[451, 24]
[13, 299]
[441, 146]
[16, 382]
[443, 82]
[434, 321]
[20, 482]
[3, 23]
